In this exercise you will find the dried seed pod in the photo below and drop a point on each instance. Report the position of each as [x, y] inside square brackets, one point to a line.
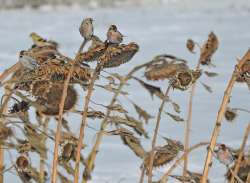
[163, 71]
[230, 114]
[190, 45]
[52, 98]
[22, 162]
[185, 78]
[208, 49]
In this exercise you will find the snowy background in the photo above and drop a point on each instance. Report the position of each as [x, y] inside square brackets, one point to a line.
[157, 29]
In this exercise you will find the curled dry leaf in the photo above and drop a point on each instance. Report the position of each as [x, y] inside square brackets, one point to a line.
[142, 113]
[208, 88]
[153, 90]
[208, 49]
[190, 45]
[118, 108]
[175, 117]
[131, 122]
[176, 107]
[211, 74]
[163, 155]
[133, 143]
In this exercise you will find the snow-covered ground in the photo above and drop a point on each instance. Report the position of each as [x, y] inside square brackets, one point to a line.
[157, 29]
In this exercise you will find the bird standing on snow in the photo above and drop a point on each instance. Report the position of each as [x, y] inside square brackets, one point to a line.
[113, 35]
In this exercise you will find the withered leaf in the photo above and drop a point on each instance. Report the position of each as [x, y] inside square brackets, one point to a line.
[176, 107]
[175, 117]
[211, 74]
[111, 89]
[118, 108]
[142, 113]
[208, 88]
[133, 143]
[129, 121]
[153, 90]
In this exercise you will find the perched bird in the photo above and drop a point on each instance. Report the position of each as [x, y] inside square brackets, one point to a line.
[86, 29]
[113, 35]
[41, 42]
[224, 155]
[27, 61]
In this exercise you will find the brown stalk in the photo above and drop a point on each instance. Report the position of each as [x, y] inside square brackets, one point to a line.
[179, 160]
[8, 71]
[84, 121]
[3, 109]
[220, 116]
[241, 153]
[60, 117]
[189, 123]
[104, 123]
[42, 159]
[153, 144]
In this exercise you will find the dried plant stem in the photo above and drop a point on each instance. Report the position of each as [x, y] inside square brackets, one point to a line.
[3, 109]
[92, 156]
[188, 124]
[179, 160]
[42, 159]
[248, 177]
[8, 71]
[60, 117]
[84, 121]
[153, 144]
[142, 175]
[241, 153]
[220, 116]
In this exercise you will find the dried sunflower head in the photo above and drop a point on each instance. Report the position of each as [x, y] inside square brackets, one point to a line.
[163, 71]
[185, 78]
[51, 99]
[22, 162]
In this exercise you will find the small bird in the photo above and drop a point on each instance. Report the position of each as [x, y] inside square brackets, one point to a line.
[86, 29]
[27, 61]
[224, 155]
[41, 42]
[113, 35]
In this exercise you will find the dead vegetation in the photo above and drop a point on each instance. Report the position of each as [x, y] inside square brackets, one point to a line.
[42, 84]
